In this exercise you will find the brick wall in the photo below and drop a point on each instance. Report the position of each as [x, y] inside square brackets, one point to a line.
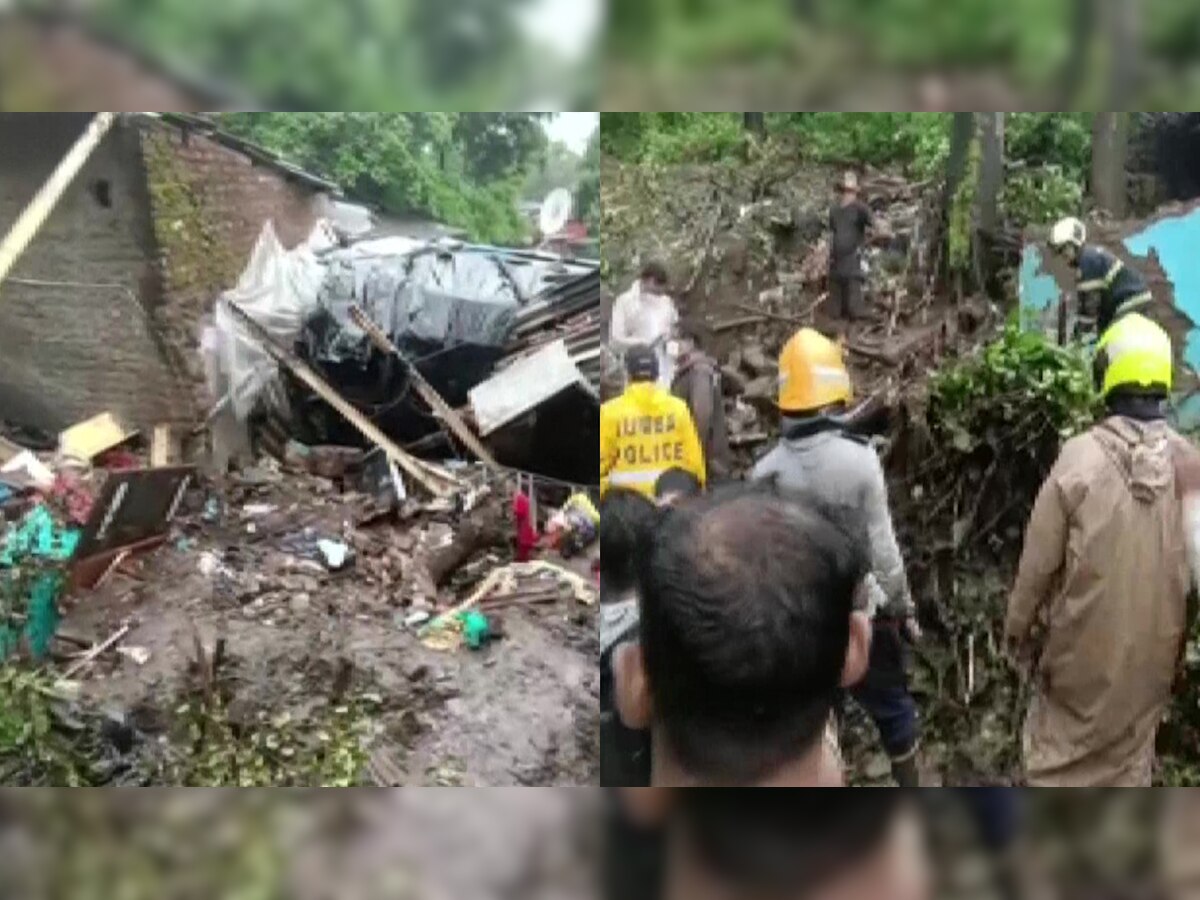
[168, 219]
[209, 204]
[67, 351]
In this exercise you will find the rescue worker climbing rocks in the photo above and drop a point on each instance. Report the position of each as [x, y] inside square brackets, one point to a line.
[1098, 616]
[646, 431]
[817, 454]
[1107, 287]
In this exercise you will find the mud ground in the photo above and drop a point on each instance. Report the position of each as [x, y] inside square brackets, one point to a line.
[521, 711]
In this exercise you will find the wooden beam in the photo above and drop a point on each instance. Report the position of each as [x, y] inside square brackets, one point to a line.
[427, 391]
[31, 219]
[164, 447]
[433, 479]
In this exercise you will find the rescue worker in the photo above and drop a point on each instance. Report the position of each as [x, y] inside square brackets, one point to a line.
[645, 315]
[697, 382]
[1098, 614]
[1107, 287]
[646, 431]
[817, 454]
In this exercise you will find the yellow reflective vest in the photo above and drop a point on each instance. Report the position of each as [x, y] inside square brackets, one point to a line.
[643, 433]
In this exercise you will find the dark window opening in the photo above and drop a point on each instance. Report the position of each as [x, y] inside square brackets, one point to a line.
[102, 191]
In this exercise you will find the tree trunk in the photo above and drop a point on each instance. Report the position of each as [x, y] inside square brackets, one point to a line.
[1074, 71]
[1122, 21]
[1110, 146]
[755, 122]
[991, 170]
[961, 134]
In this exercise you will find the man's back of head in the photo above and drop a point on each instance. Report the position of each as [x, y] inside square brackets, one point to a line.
[641, 363]
[748, 631]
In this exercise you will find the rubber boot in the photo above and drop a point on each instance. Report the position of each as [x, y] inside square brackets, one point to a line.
[905, 771]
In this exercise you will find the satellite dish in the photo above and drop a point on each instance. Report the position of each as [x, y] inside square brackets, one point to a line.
[556, 210]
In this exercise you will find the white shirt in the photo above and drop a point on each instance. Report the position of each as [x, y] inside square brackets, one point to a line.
[640, 317]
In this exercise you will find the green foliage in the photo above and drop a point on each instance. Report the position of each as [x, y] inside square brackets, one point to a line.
[1021, 386]
[204, 746]
[1051, 139]
[359, 54]
[325, 749]
[671, 137]
[587, 193]
[1040, 195]
[465, 169]
[962, 215]
[33, 750]
[921, 140]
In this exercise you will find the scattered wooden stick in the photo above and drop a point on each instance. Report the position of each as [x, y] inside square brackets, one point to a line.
[88, 658]
[440, 407]
[738, 323]
[790, 320]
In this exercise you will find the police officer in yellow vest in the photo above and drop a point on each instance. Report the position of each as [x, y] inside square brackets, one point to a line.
[646, 431]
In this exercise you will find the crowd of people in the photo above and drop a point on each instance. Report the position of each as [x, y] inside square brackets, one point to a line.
[740, 616]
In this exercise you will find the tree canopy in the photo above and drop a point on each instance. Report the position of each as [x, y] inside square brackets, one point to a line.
[465, 169]
[355, 54]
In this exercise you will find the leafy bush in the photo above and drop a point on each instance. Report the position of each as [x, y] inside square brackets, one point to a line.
[1040, 195]
[1021, 387]
[327, 749]
[33, 750]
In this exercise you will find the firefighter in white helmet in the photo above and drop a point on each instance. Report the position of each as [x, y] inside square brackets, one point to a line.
[1108, 288]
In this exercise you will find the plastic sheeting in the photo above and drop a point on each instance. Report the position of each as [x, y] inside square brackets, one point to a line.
[448, 307]
[278, 289]
[429, 296]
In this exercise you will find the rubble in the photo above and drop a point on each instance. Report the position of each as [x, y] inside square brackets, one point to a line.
[746, 252]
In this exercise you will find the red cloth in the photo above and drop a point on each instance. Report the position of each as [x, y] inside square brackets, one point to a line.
[527, 535]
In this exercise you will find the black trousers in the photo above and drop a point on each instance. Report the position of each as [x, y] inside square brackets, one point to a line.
[846, 297]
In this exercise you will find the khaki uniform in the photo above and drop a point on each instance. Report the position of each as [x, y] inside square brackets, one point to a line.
[1098, 611]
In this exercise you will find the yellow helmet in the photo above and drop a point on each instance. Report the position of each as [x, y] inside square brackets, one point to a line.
[1134, 351]
[812, 373]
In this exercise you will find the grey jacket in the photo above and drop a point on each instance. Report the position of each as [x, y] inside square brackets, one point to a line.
[844, 473]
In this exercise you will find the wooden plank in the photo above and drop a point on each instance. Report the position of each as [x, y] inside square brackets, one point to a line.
[164, 447]
[440, 407]
[426, 475]
[31, 219]
[88, 439]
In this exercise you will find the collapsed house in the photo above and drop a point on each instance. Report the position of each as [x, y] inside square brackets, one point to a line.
[508, 338]
[336, 450]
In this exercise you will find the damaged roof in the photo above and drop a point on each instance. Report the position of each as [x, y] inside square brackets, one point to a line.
[206, 126]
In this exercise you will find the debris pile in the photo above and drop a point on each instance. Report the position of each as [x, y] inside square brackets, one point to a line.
[332, 600]
[752, 274]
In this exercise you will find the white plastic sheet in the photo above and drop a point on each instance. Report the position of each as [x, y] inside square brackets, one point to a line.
[278, 289]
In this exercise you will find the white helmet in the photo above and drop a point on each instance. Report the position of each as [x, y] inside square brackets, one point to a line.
[1067, 231]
